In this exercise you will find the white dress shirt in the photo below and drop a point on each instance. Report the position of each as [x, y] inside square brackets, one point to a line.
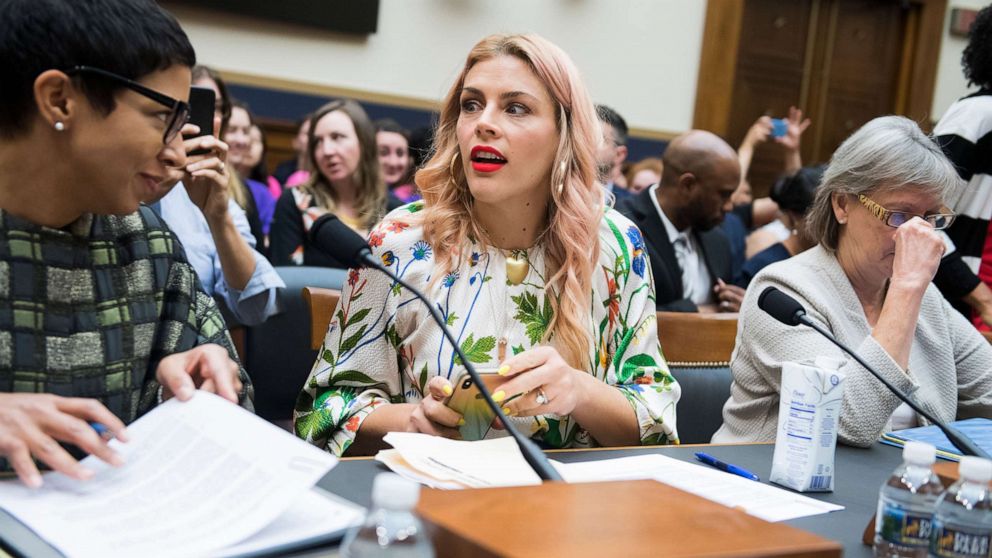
[251, 305]
[697, 283]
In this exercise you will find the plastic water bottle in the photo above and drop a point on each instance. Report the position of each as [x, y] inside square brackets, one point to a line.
[906, 504]
[962, 524]
[391, 529]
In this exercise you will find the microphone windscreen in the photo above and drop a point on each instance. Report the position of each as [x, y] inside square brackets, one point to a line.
[337, 239]
[780, 306]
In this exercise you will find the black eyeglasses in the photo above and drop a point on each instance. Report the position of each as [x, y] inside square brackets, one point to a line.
[180, 109]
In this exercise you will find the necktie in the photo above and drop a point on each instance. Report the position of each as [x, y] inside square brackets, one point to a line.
[682, 253]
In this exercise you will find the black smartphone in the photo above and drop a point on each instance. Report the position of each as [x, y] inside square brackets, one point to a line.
[201, 113]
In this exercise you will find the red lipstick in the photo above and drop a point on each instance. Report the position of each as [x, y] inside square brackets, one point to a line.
[487, 159]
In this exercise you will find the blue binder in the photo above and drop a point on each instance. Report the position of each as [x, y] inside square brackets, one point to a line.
[978, 429]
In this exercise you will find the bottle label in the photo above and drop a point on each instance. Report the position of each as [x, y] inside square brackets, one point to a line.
[905, 527]
[953, 542]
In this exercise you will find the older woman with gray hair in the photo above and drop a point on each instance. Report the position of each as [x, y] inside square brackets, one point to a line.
[869, 282]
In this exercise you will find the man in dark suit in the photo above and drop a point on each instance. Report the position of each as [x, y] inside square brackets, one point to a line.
[690, 255]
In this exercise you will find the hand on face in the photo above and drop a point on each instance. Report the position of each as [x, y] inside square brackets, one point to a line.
[207, 367]
[432, 416]
[537, 371]
[32, 424]
[917, 256]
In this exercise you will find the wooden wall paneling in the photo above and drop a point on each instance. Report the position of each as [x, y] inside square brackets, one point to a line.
[859, 59]
[821, 59]
[715, 82]
[863, 74]
[926, 52]
[770, 77]
[279, 136]
[911, 33]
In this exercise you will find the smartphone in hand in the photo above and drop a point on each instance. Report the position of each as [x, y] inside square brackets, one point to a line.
[201, 113]
[779, 127]
[467, 400]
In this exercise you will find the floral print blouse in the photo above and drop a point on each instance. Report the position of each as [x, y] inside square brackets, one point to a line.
[382, 347]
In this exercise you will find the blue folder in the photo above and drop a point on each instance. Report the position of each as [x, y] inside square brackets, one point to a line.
[978, 429]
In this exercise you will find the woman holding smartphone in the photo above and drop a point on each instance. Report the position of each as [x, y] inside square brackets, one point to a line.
[501, 242]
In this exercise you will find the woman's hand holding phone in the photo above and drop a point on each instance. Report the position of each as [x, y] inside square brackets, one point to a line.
[432, 416]
[206, 177]
[549, 384]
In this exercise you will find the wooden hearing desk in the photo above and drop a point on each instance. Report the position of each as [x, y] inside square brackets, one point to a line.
[860, 473]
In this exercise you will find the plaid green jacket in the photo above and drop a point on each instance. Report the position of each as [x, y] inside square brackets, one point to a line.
[90, 310]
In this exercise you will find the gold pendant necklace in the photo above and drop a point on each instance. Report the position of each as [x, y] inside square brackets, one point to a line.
[517, 266]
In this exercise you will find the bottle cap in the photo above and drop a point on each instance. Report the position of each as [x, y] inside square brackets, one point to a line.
[975, 469]
[394, 492]
[919, 453]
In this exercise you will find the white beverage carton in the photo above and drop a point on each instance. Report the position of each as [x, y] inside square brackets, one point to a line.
[808, 419]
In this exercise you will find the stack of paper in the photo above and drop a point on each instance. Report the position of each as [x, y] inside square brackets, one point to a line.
[760, 500]
[200, 477]
[442, 463]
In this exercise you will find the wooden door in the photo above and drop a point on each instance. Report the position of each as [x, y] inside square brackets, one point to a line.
[843, 62]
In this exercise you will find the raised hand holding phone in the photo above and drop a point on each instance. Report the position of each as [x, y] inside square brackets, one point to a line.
[201, 115]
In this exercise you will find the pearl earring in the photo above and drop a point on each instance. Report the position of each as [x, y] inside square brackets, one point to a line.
[59, 126]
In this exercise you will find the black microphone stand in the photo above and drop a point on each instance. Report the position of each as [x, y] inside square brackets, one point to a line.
[956, 437]
[534, 456]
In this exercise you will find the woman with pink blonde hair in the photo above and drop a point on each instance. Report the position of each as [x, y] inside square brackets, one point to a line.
[539, 282]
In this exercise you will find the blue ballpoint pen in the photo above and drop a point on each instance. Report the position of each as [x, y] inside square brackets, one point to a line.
[726, 467]
[102, 430]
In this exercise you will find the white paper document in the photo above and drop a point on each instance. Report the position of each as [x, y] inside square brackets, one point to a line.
[312, 517]
[444, 463]
[450, 464]
[198, 476]
[760, 500]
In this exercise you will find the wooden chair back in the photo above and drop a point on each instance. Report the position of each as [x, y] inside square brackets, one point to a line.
[695, 339]
[322, 303]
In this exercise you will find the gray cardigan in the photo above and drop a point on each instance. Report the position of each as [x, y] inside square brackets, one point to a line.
[950, 364]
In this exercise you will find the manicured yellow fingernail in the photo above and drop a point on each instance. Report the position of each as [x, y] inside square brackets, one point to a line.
[507, 411]
[446, 389]
[503, 370]
[461, 422]
[499, 396]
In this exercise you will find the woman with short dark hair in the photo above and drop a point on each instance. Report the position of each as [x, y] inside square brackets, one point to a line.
[794, 195]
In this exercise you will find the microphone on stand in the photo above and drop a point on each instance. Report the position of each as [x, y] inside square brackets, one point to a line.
[790, 312]
[334, 237]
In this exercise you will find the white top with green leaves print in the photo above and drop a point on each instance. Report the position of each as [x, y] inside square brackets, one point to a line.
[382, 346]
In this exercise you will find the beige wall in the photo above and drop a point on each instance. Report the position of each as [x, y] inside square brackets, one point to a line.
[951, 84]
[639, 56]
